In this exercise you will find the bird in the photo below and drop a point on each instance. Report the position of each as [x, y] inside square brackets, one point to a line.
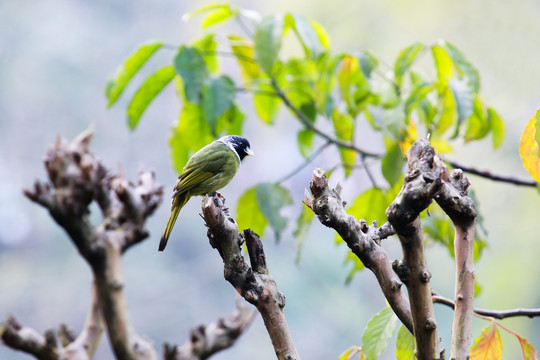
[207, 171]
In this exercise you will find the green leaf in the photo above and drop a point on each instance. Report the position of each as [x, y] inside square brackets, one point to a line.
[464, 100]
[477, 125]
[147, 92]
[191, 67]
[231, 121]
[129, 67]
[377, 333]
[418, 93]
[245, 55]
[249, 212]
[344, 128]
[305, 142]
[266, 104]
[405, 59]
[218, 15]
[182, 141]
[392, 163]
[448, 114]
[443, 64]
[179, 151]
[464, 66]
[497, 127]
[218, 97]
[207, 45]
[439, 228]
[358, 265]
[321, 33]
[206, 8]
[368, 62]
[271, 197]
[370, 205]
[405, 344]
[267, 38]
[302, 226]
[307, 35]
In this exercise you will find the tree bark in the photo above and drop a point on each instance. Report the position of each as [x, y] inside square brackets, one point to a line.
[254, 282]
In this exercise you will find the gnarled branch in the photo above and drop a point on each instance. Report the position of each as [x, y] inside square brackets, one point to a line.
[253, 282]
[76, 179]
[363, 240]
[422, 183]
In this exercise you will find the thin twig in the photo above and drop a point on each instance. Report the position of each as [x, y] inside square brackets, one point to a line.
[308, 123]
[491, 176]
[368, 172]
[305, 163]
[496, 314]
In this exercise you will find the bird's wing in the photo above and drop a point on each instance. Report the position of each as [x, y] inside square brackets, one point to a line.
[195, 171]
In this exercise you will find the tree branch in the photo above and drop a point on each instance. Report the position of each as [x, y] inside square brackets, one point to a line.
[422, 183]
[363, 240]
[496, 314]
[491, 176]
[456, 203]
[208, 340]
[254, 283]
[27, 340]
[47, 347]
[77, 178]
[309, 124]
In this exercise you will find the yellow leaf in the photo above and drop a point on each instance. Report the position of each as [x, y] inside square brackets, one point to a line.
[528, 149]
[441, 146]
[488, 346]
[529, 352]
[410, 135]
[351, 352]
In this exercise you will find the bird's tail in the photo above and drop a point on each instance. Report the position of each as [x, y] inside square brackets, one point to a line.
[178, 203]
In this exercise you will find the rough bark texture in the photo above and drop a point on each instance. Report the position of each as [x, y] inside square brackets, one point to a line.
[76, 179]
[254, 282]
[363, 240]
[422, 183]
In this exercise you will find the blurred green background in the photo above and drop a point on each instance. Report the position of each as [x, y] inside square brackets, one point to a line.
[55, 57]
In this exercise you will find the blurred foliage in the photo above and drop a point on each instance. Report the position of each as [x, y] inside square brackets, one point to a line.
[412, 98]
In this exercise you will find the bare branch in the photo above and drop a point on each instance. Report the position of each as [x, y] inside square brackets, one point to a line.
[496, 314]
[28, 340]
[76, 179]
[454, 200]
[85, 345]
[491, 176]
[308, 124]
[252, 282]
[422, 183]
[47, 347]
[219, 335]
[363, 240]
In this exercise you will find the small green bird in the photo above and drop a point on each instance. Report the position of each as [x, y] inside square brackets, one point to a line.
[208, 170]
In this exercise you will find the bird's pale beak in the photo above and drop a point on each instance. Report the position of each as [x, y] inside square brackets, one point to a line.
[250, 153]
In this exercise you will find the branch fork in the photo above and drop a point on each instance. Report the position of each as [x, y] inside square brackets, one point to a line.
[254, 282]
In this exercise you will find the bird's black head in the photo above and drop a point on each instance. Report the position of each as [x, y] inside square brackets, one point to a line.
[239, 144]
